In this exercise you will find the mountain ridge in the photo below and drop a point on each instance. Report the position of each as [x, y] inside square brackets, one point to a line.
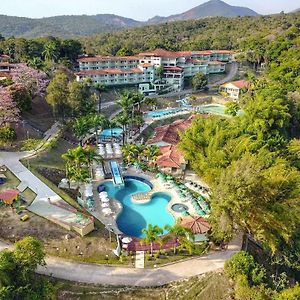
[81, 25]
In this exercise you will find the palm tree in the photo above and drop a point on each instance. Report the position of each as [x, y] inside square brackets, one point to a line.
[36, 63]
[130, 152]
[151, 153]
[90, 155]
[122, 120]
[99, 88]
[152, 233]
[181, 233]
[50, 52]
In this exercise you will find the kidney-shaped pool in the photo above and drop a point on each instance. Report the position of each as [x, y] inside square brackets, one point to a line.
[134, 216]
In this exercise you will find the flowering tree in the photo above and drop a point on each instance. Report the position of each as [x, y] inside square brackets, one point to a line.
[9, 113]
[34, 81]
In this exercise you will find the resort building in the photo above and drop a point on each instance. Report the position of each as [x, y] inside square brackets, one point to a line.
[169, 134]
[233, 89]
[171, 161]
[4, 63]
[141, 69]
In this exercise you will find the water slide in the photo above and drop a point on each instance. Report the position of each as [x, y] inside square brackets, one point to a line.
[116, 174]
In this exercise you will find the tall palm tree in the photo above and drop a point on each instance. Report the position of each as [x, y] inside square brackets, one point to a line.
[122, 120]
[181, 233]
[130, 152]
[51, 52]
[152, 233]
[99, 88]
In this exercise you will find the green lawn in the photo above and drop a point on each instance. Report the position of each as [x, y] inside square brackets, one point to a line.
[52, 158]
[29, 195]
[11, 183]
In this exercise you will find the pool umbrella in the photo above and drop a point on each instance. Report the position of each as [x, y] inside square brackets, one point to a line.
[103, 194]
[105, 200]
[126, 240]
[197, 225]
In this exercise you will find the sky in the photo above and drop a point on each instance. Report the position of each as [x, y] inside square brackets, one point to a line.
[136, 9]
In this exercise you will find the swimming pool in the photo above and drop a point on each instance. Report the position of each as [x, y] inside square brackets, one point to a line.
[134, 217]
[111, 132]
[164, 112]
[212, 109]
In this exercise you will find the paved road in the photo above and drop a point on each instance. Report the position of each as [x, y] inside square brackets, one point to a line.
[230, 75]
[11, 161]
[110, 275]
[101, 274]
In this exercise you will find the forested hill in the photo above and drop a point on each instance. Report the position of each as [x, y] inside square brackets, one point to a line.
[72, 26]
[63, 26]
[209, 33]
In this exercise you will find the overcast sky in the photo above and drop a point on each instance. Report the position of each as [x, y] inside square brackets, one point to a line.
[136, 9]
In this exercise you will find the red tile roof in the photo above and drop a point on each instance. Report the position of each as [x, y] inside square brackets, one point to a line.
[145, 65]
[173, 69]
[216, 62]
[106, 58]
[170, 157]
[170, 133]
[108, 71]
[240, 84]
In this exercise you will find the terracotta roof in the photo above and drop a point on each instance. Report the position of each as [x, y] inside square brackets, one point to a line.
[169, 133]
[106, 58]
[170, 157]
[173, 69]
[108, 71]
[198, 225]
[145, 65]
[216, 62]
[240, 84]
[194, 60]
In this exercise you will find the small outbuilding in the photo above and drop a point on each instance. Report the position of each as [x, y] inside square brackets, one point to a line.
[9, 196]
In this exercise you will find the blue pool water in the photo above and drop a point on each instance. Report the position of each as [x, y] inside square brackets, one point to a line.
[113, 132]
[135, 217]
[161, 113]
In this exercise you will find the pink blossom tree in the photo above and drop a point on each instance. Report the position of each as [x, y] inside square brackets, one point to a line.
[34, 81]
[9, 113]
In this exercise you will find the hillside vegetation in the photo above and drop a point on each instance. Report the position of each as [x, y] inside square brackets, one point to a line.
[212, 33]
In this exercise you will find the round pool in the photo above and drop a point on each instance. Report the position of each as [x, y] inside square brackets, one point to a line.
[137, 216]
[179, 208]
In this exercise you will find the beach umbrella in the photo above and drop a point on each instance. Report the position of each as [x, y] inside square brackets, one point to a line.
[197, 225]
[105, 200]
[103, 194]
[126, 240]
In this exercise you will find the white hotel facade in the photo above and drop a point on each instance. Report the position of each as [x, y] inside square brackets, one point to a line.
[141, 69]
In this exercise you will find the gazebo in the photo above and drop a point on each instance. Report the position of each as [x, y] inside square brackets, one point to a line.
[9, 196]
[198, 225]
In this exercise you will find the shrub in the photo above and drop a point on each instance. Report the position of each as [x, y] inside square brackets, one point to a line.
[243, 264]
[7, 134]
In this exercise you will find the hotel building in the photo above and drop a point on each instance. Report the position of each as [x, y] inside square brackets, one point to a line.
[141, 69]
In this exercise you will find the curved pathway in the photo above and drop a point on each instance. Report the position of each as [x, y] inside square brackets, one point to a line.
[111, 275]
